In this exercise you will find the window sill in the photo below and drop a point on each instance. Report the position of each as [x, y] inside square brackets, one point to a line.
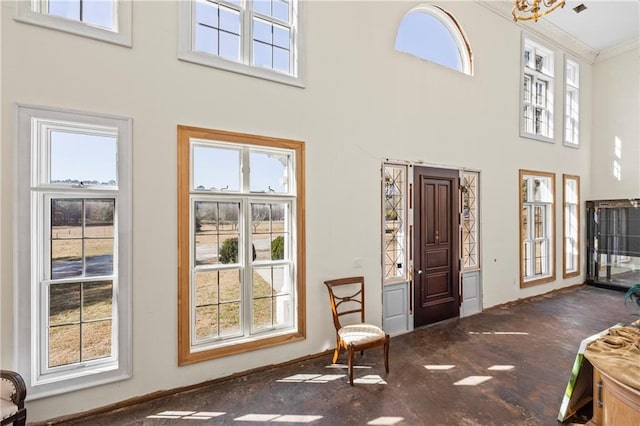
[540, 138]
[537, 281]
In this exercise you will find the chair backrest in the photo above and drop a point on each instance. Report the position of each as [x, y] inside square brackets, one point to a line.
[346, 300]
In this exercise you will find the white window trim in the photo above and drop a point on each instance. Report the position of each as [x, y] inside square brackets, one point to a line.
[26, 305]
[28, 12]
[550, 95]
[186, 12]
[575, 62]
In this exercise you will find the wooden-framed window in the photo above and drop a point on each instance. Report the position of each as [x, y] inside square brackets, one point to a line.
[537, 102]
[261, 38]
[394, 217]
[571, 229]
[74, 257]
[106, 20]
[537, 224]
[241, 258]
[572, 103]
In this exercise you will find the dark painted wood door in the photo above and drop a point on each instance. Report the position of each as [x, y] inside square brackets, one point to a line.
[436, 247]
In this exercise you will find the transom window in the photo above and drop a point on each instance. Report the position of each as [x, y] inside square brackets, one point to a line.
[241, 243]
[74, 227]
[571, 229]
[432, 33]
[537, 91]
[107, 20]
[254, 37]
[536, 227]
[572, 104]
[394, 203]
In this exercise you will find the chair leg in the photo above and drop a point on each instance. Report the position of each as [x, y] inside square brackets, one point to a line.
[336, 352]
[351, 366]
[386, 355]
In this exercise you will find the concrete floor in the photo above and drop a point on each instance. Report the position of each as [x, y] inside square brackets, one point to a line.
[517, 358]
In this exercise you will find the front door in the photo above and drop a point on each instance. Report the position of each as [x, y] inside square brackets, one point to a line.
[436, 247]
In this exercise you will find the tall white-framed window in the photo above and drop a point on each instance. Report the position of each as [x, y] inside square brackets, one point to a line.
[537, 102]
[537, 224]
[432, 33]
[106, 20]
[240, 243]
[572, 103]
[73, 239]
[394, 218]
[260, 38]
[470, 217]
[571, 228]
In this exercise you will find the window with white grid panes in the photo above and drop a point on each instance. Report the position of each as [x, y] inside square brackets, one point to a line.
[107, 20]
[571, 229]
[394, 211]
[241, 243]
[572, 104]
[470, 248]
[78, 217]
[253, 37]
[536, 227]
[537, 91]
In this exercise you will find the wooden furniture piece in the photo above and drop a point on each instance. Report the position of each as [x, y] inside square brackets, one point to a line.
[347, 300]
[12, 394]
[614, 403]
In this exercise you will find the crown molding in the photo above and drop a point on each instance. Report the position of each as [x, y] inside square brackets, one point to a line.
[618, 50]
[543, 29]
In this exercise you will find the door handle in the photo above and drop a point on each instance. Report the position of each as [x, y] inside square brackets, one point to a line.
[419, 271]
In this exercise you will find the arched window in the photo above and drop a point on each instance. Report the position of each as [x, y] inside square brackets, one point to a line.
[430, 32]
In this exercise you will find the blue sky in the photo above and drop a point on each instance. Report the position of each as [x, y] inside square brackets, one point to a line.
[83, 157]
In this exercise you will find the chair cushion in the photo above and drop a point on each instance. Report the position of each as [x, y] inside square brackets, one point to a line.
[7, 389]
[358, 334]
[7, 408]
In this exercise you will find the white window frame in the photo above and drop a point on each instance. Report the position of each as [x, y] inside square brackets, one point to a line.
[544, 75]
[528, 277]
[571, 112]
[571, 229]
[186, 41]
[34, 12]
[402, 223]
[31, 237]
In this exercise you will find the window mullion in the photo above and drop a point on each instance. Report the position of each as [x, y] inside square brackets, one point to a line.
[246, 32]
[246, 295]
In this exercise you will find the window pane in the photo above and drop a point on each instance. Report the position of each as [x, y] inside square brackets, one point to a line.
[206, 321]
[206, 40]
[216, 232]
[216, 168]
[90, 159]
[269, 172]
[64, 345]
[281, 59]
[229, 282]
[262, 55]
[97, 300]
[69, 9]
[230, 319]
[262, 313]
[98, 257]
[425, 36]
[229, 20]
[96, 340]
[98, 12]
[206, 284]
[230, 46]
[99, 218]
[64, 304]
[281, 36]
[262, 6]
[281, 10]
[66, 258]
[207, 13]
[66, 218]
[262, 31]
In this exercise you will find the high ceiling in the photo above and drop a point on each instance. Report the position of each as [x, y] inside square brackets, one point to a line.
[604, 24]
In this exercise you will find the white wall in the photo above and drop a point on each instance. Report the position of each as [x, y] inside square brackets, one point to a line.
[616, 87]
[363, 102]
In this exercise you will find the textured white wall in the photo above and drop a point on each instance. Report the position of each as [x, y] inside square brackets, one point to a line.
[363, 102]
[616, 116]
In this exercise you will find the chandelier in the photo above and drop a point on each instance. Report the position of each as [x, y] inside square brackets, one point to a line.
[525, 10]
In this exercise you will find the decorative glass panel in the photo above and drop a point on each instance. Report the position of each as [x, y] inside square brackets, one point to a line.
[394, 210]
[470, 255]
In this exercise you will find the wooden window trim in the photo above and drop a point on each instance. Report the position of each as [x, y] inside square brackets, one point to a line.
[576, 273]
[185, 355]
[552, 226]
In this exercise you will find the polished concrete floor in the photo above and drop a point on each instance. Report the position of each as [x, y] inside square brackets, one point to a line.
[506, 366]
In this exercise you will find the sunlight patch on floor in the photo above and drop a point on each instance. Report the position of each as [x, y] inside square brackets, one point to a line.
[472, 380]
[517, 333]
[501, 367]
[345, 366]
[439, 367]
[190, 415]
[277, 418]
[380, 421]
[372, 379]
[311, 378]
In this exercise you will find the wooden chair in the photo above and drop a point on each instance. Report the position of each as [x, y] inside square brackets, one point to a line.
[12, 394]
[359, 335]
